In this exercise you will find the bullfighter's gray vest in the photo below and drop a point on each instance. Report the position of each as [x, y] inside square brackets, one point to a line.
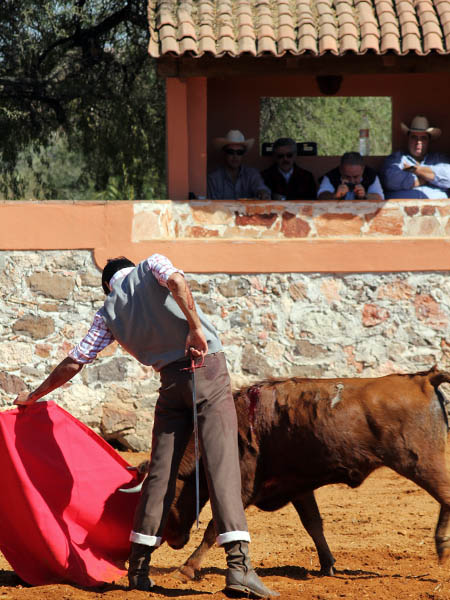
[145, 319]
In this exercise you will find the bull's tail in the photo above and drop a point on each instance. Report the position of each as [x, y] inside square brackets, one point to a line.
[436, 377]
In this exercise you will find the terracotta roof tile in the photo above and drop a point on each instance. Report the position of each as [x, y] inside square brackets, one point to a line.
[278, 27]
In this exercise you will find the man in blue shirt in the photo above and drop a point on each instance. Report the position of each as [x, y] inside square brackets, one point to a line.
[415, 172]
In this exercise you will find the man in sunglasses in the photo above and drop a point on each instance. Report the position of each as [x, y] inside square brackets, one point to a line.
[285, 178]
[234, 180]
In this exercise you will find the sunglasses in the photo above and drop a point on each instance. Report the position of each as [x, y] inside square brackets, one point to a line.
[286, 155]
[231, 152]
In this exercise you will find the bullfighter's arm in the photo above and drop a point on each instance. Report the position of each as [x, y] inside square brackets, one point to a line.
[60, 375]
[195, 341]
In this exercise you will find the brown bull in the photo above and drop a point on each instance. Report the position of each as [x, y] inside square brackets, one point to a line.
[300, 434]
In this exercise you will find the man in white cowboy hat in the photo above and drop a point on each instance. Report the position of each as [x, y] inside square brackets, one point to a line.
[417, 173]
[234, 180]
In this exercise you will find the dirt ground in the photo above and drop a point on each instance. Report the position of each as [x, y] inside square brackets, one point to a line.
[380, 534]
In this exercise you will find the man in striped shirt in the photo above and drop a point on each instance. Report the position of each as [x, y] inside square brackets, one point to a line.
[150, 311]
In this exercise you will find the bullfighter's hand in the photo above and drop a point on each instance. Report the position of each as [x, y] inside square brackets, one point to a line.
[196, 343]
[24, 399]
[359, 191]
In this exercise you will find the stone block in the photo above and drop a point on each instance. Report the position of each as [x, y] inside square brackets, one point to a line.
[208, 306]
[34, 327]
[308, 350]
[116, 420]
[149, 225]
[395, 290]
[43, 350]
[50, 307]
[330, 289]
[411, 210]
[234, 287]
[423, 226]
[213, 214]
[52, 285]
[198, 287]
[298, 291]
[294, 227]
[11, 384]
[89, 279]
[429, 311]
[113, 370]
[254, 362]
[256, 220]
[428, 210]
[386, 221]
[339, 225]
[373, 315]
[201, 232]
[14, 355]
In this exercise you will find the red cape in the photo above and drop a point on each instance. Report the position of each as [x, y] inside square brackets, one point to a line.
[63, 518]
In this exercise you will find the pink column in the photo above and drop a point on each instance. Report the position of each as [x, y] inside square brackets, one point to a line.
[197, 131]
[177, 145]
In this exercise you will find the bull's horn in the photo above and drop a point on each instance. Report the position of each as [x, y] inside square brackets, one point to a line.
[134, 490]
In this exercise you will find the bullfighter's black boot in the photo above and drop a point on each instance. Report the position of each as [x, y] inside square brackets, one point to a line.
[242, 579]
[139, 567]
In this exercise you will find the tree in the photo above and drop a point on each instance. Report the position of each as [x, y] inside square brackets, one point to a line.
[81, 70]
[332, 122]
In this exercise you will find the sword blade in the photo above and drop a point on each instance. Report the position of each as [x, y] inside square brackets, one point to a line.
[196, 451]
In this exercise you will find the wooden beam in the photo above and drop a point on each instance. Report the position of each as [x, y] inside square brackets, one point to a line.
[208, 66]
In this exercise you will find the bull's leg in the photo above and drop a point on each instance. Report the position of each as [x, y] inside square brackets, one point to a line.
[431, 475]
[191, 568]
[308, 511]
[441, 536]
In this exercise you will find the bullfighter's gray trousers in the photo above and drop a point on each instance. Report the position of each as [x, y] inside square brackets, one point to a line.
[173, 426]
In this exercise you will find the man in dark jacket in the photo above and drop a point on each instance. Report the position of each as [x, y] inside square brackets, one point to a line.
[351, 180]
[285, 178]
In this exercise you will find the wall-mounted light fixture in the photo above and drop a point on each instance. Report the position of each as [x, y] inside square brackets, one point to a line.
[329, 84]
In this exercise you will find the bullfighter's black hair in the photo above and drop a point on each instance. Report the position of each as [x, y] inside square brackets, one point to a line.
[112, 266]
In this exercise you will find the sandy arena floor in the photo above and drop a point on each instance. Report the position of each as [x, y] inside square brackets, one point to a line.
[380, 534]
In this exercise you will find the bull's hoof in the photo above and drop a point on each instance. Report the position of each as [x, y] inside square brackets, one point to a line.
[187, 573]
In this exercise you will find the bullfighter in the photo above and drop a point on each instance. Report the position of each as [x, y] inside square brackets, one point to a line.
[150, 311]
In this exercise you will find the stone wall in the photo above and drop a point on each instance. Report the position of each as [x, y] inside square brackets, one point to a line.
[316, 325]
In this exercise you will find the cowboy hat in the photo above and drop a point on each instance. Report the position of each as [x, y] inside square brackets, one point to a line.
[420, 124]
[234, 136]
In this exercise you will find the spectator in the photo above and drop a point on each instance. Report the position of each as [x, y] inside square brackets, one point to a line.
[285, 178]
[415, 173]
[352, 180]
[234, 180]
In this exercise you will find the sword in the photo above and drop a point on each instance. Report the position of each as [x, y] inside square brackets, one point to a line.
[191, 369]
[195, 419]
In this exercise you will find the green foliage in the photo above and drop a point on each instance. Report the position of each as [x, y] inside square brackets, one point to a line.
[332, 122]
[80, 72]
[53, 171]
